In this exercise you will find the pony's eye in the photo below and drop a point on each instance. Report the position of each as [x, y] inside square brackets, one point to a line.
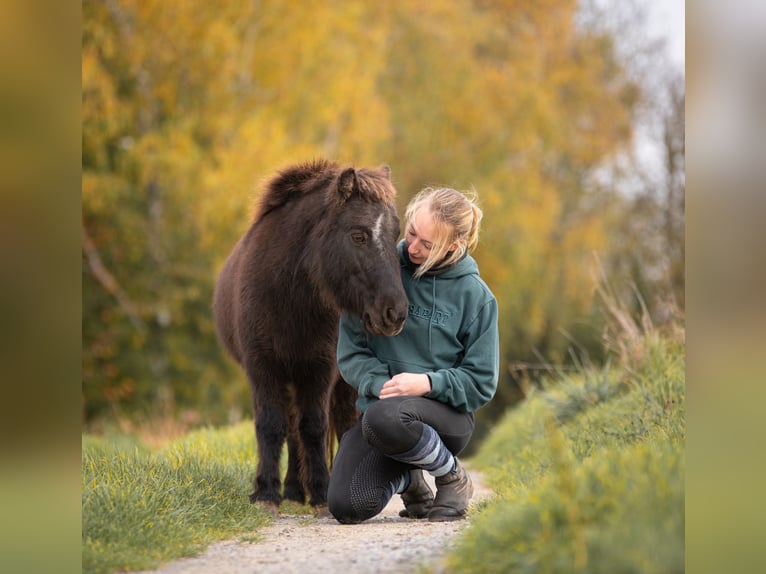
[359, 238]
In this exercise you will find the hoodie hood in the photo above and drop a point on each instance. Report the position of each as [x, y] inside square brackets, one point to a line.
[464, 266]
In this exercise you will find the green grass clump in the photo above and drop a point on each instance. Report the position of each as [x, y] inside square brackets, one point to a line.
[589, 476]
[142, 507]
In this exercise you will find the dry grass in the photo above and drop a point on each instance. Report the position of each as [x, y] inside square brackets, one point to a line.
[631, 326]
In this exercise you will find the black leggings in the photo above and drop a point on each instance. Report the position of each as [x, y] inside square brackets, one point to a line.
[364, 475]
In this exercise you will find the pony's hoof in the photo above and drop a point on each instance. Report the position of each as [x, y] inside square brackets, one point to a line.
[321, 511]
[269, 507]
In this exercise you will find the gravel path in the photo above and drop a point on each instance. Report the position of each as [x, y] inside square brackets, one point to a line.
[301, 544]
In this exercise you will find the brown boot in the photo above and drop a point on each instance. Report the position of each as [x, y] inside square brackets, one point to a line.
[418, 497]
[453, 493]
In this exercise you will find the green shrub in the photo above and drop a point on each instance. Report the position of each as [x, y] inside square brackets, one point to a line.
[618, 511]
[589, 476]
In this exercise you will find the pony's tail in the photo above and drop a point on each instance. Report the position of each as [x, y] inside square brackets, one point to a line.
[343, 415]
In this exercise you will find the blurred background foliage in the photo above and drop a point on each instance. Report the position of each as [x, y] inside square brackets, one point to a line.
[540, 106]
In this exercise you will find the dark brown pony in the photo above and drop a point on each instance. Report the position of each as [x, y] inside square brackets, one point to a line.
[322, 242]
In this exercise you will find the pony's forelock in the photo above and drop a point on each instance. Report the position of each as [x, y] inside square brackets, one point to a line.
[375, 185]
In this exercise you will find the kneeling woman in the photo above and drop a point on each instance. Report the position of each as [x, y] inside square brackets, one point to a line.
[418, 390]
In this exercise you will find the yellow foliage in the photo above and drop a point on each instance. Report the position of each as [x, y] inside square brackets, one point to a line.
[188, 106]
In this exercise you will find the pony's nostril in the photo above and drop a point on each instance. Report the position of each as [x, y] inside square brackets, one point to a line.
[394, 317]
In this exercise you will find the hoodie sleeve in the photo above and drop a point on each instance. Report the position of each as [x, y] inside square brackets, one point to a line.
[357, 364]
[473, 383]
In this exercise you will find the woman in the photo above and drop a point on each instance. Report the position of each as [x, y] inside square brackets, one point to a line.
[418, 390]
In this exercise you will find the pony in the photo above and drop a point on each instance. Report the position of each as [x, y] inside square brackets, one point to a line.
[322, 241]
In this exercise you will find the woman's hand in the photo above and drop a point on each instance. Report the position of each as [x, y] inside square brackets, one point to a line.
[406, 384]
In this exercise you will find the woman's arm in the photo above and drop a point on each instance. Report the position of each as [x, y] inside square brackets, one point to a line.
[358, 365]
[473, 383]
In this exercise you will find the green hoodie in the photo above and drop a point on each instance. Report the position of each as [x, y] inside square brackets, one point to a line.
[450, 334]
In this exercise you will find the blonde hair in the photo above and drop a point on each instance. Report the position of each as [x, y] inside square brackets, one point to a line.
[456, 219]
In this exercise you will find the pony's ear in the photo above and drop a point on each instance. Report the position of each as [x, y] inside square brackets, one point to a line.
[347, 183]
[386, 171]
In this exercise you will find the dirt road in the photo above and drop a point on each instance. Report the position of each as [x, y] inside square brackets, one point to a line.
[301, 544]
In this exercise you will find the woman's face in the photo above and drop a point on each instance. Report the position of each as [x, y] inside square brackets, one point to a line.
[420, 235]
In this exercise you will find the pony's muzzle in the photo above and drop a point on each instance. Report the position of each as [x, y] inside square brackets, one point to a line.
[391, 322]
[395, 320]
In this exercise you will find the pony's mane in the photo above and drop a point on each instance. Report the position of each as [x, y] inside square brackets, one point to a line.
[293, 181]
[374, 184]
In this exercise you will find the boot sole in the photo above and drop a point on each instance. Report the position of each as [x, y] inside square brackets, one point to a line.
[446, 518]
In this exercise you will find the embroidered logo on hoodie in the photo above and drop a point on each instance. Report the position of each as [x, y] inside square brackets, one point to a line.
[439, 317]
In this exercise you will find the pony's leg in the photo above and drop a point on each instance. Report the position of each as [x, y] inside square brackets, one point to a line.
[293, 483]
[312, 402]
[270, 402]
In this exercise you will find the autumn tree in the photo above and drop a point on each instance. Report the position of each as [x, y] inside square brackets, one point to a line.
[188, 106]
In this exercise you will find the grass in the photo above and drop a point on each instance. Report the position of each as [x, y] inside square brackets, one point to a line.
[142, 507]
[589, 473]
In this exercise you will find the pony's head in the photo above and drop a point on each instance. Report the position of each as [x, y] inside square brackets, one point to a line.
[359, 262]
